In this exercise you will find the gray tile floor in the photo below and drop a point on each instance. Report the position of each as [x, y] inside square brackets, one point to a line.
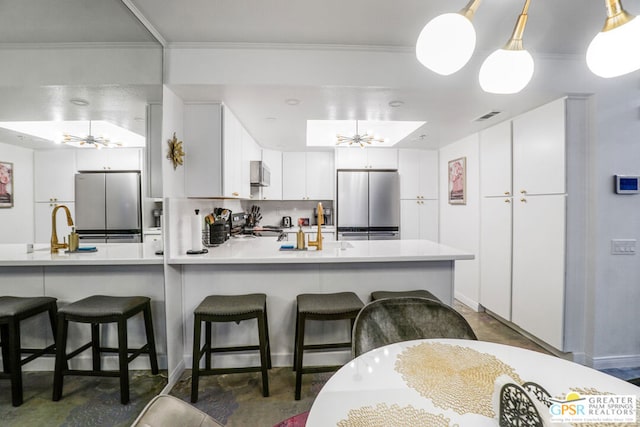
[234, 400]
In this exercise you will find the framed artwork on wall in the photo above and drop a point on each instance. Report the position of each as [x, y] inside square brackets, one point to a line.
[6, 185]
[458, 181]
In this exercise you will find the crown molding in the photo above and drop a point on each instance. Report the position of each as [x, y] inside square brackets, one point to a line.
[80, 45]
[288, 46]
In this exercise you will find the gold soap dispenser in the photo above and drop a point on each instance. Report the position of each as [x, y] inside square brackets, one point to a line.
[74, 240]
[300, 240]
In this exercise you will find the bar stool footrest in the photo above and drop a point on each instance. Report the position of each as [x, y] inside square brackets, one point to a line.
[334, 346]
[218, 371]
[317, 369]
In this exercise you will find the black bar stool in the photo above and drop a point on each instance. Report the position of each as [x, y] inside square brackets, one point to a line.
[12, 311]
[229, 308]
[419, 293]
[98, 309]
[337, 306]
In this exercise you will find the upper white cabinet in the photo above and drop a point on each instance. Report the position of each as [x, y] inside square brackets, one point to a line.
[218, 150]
[53, 175]
[203, 160]
[109, 159]
[307, 175]
[251, 151]
[273, 160]
[539, 150]
[495, 152]
[418, 171]
[234, 179]
[366, 158]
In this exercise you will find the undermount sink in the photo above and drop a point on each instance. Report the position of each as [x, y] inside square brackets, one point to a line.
[337, 245]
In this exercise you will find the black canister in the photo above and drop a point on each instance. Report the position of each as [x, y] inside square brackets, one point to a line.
[217, 233]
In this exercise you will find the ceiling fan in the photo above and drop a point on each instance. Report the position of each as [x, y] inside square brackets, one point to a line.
[95, 141]
[358, 139]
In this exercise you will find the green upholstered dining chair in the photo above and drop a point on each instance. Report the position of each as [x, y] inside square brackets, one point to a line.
[391, 320]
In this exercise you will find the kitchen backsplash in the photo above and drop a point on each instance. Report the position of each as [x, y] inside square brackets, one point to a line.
[273, 210]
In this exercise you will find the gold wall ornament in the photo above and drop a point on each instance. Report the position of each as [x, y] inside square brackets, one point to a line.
[175, 152]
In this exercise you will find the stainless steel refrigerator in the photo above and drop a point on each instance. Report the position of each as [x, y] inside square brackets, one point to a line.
[368, 205]
[108, 207]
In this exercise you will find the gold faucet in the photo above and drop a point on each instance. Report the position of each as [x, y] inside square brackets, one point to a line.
[54, 235]
[318, 242]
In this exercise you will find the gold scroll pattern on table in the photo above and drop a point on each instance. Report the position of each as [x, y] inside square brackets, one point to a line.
[592, 391]
[394, 415]
[453, 377]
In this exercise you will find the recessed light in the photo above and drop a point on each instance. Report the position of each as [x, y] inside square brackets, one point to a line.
[292, 101]
[79, 102]
[395, 104]
[270, 119]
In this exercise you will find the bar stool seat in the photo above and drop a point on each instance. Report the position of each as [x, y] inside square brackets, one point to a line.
[229, 308]
[12, 311]
[419, 293]
[334, 306]
[96, 310]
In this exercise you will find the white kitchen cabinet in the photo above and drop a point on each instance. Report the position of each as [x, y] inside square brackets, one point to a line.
[419, 219]
[42, 215]
[495, 250]
[525, 275]
[307, 176]
[203, 150]
[273, 160]
[538, 287]
[366, 158]
[233, 179]
[54, 172]
[539, 150]
[214, 163]
[109, 159]
[418, 171]
[251, 151]
[495, 156]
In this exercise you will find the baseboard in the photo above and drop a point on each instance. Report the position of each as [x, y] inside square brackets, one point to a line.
[473, 305]
[609, 362]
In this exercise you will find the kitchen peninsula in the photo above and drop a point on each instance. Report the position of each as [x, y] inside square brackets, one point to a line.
[249, 265]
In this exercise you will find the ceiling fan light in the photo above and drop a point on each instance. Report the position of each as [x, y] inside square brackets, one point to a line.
[446, 43]
[613, 52]
[506, 71]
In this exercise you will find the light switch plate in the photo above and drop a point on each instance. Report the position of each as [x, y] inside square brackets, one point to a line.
[623, 246]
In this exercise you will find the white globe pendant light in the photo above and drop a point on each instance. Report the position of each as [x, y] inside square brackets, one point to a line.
[508, 70]
[613, 51]
[447, 42]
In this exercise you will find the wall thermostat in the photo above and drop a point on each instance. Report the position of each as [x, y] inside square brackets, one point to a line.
[627, 184]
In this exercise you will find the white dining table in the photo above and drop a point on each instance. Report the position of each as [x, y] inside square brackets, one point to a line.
[450, 382]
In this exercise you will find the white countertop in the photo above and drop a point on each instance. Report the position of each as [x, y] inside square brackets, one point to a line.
[251, 250]
[107, 254]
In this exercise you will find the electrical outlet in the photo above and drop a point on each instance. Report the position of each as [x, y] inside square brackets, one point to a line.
[623, 246]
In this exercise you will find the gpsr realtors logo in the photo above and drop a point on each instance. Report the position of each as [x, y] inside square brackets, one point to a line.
[606, 408]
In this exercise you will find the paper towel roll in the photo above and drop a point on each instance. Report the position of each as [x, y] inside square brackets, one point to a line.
[196, 231]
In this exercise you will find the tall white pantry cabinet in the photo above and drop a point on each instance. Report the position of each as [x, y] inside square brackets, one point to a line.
[523, 223]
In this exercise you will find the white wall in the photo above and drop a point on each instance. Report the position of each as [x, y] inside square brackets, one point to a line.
[613, 312]
[460, 224]
[17, 223]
